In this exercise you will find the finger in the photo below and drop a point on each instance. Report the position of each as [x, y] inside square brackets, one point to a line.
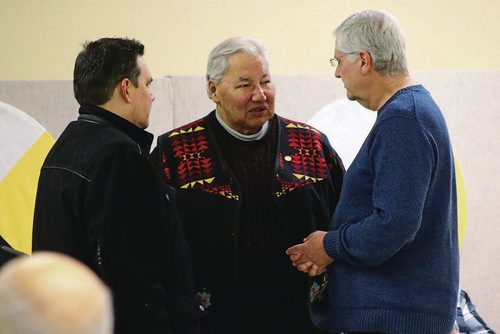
[301, 260]
[295, 257]
[321, 270]
[293, 250]
[313, 271]
[307, 238]
[304, 267]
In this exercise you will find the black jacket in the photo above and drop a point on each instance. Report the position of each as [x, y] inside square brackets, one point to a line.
[100, 200]
[239, 259]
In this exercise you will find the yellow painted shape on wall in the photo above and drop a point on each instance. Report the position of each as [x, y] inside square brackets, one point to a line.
[17, 195]
[461, 204]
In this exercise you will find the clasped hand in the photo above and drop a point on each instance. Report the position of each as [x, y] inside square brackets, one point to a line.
[310, 256]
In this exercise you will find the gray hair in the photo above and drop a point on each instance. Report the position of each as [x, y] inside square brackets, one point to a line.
[218, 59]
[378, 33]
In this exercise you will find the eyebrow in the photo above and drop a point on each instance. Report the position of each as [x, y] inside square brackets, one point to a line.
[266, 75]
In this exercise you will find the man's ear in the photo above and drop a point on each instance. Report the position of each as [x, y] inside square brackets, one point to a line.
[124, 85]
[366, 60]
[212, 91]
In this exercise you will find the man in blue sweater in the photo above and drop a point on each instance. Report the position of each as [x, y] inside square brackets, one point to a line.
[392, 248]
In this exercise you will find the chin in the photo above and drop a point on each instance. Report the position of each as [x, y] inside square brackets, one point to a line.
[267, 116]
[350, 97]
[263, 120]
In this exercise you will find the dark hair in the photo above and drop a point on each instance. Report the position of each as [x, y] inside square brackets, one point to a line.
[103, 64]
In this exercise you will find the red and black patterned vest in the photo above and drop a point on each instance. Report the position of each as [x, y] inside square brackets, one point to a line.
[190, 160]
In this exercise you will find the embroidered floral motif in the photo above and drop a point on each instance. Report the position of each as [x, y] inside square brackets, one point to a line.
[204, 297]
[317, 289]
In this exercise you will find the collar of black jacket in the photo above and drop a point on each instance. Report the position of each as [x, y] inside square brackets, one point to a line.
[142, 137]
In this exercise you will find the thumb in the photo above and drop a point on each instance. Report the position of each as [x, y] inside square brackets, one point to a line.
[293, 250]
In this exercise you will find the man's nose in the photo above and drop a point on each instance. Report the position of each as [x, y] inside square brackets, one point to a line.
[337, 71]
[259, 94]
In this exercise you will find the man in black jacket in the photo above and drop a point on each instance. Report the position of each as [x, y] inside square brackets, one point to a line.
[101, 201]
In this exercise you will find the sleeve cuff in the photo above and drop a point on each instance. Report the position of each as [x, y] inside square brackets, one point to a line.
[331, 244]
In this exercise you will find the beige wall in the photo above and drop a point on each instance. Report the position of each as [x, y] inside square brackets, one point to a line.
[40, 39]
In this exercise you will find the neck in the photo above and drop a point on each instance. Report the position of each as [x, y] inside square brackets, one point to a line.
[117, 107]
[113, 108]
[385, 88]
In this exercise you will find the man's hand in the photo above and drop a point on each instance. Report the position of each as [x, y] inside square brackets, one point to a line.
[310, 256]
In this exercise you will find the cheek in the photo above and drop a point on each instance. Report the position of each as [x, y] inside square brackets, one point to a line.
[271, 95]
[149, 97]
[270, 101]
[235, 101]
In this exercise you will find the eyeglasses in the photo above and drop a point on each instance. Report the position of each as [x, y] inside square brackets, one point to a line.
[337, 61]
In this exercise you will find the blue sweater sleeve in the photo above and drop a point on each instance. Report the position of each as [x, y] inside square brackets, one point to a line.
[400, 157]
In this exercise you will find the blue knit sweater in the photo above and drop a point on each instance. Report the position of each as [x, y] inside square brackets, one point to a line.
[394, 232]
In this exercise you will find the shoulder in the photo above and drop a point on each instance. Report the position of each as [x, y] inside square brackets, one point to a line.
[408, 103]
[84, 150]
[113, 141]
[412, 109]
[300, 128]
[92, 141]
[120, 148]
[195, 126]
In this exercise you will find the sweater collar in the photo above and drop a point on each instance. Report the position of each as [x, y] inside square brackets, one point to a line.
[140, 136]
[259, 135]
